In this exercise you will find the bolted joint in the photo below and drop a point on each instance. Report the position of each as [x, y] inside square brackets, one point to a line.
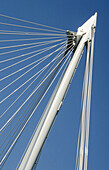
[72, 41]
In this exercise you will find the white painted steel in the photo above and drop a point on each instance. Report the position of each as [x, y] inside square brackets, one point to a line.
[84, 111]
[89, 102]
[44, 126]
[81, 136]
[48, 119]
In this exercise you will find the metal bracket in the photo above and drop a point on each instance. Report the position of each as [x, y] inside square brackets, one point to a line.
[72, 41]
[86, 27]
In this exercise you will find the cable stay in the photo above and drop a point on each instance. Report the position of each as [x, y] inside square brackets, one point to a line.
[27, 87]
[42, 50]
[30, 39]
[31, 95]
[22, 55]
[44, 80]
[17, 136]
[44, 42]
[36, 62]
[61, 67]
[33, 59]
[26, 49]
[39, 61]
[32, 76]
[25, 21]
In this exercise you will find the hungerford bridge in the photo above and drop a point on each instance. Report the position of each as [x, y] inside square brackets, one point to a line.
[32, 57]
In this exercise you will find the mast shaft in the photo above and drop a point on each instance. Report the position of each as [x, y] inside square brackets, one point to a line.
[56, 101]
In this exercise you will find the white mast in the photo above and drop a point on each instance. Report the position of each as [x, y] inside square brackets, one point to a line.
[85, 108]
[56, 100]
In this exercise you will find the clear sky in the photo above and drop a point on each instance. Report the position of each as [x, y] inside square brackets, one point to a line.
[59, 152]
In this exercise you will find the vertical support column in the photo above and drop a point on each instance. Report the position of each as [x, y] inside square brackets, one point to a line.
[86, 97]
[89, 102]
[81, 136]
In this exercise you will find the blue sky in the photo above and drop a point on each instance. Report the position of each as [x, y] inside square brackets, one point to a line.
[60, 149]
